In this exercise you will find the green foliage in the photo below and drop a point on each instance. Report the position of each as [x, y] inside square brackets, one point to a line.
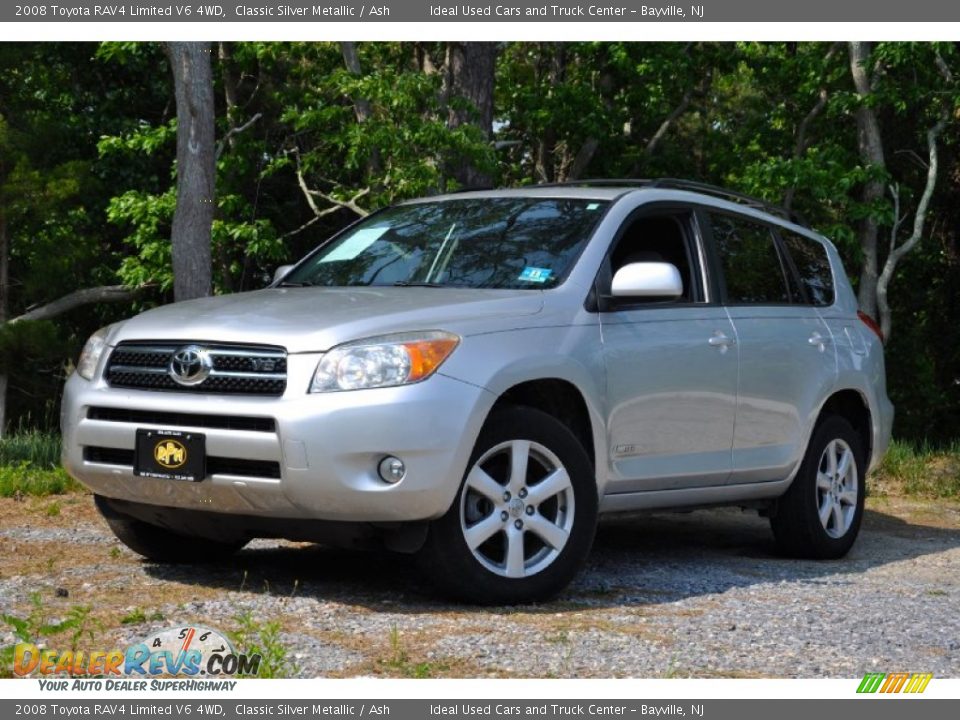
[21, 479]
[253, 637]
[32, 448]
[134, 617]
[30, 466]
[149, 217]
[75, 627]
[33, 355]
[397, 660]
[88, 150]
[922, 470]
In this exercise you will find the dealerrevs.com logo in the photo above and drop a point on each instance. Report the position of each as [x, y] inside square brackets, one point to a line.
[898, 682]
[175, 652]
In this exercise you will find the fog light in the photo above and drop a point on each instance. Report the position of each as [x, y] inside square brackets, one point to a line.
[392, 469]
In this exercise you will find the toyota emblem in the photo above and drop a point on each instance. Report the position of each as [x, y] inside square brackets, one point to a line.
[190, 365]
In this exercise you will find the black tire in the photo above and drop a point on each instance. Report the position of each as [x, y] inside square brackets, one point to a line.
[476, 576]
[160, 544]
[797, 524]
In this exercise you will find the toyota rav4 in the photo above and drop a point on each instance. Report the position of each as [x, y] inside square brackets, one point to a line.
[477, 377]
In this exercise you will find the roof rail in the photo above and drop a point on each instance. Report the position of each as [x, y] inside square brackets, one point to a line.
[692, 186]
[470, 188]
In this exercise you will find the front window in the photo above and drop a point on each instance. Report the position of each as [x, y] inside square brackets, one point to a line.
[472, 242]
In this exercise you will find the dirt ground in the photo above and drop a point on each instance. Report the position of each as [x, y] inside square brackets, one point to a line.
[669, 595]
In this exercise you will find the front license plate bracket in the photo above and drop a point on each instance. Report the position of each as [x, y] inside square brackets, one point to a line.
[170, 455]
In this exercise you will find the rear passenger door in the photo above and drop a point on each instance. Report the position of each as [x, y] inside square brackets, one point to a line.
[787, 360]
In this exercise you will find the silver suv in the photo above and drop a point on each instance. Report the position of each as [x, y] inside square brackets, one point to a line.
[477, 377]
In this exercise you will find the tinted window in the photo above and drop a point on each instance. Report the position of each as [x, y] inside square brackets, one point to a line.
[658, 239]
[477, 243]
[813, 266]
[750, 262]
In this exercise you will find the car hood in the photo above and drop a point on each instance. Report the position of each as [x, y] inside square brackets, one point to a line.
[315, 319]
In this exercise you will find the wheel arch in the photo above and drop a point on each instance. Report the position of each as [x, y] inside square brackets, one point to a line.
[852, 406]
[563, 400]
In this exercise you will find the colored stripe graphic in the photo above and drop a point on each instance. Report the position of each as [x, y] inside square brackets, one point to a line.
[871, 682]
[894, 682]
[918, 682]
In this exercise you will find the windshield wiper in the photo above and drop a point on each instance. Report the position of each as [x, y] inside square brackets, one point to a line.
[294, 284]
[405, 283]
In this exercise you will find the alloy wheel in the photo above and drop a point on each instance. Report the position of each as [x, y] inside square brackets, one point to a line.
[837, 488]
[517, 508]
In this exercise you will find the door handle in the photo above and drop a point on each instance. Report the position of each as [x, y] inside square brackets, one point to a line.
[818, 341]
[720, 340]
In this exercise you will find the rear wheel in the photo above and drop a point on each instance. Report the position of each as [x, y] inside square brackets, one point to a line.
[820, 515]
[524, 518]
[160, 544]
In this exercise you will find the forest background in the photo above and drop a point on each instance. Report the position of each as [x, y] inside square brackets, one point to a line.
[296, 140]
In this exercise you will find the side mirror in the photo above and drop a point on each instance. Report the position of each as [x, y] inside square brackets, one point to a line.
[280, 272]
[648, 280]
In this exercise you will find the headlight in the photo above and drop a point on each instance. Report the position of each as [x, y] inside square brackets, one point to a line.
[90, 356]
[385, 361]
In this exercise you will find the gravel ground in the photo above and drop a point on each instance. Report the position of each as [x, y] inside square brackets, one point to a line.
[694, 595]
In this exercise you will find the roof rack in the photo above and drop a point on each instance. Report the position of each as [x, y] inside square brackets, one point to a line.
[692, 186]
[470, 188]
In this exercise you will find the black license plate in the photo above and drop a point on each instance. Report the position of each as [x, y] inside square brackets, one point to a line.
[170, 455]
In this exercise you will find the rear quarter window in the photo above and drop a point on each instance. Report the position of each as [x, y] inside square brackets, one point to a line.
[752, 270]
[813, 267]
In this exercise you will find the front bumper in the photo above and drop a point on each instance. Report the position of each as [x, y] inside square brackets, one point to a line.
[327, 447]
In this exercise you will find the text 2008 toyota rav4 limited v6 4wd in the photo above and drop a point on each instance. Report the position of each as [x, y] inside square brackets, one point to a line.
[476, 377]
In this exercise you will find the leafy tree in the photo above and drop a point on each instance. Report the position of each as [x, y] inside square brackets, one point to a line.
[303, 138]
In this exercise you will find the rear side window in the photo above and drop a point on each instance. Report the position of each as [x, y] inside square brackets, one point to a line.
[752, 270]
[813, 267]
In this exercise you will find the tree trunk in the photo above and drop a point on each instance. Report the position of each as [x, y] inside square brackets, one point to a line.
[870, 145]
[229, 79]
[544, 167]
[470, 78]
[361, 107]
[4, 308]
[196, 168]
[79, 298]
[230, 84]
[897, 252]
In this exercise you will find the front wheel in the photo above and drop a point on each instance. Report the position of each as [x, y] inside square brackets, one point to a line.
[819, 516]
[524, 517]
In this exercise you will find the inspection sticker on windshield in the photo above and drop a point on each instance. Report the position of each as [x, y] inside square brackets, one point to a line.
[535, 274]
[354, 244]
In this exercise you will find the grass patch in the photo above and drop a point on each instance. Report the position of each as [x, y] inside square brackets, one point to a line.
[22, 479]
[921, 470]
[75, 627]
[253, 637]
[30, 465]
[134, 617]
[397, 661]
[35, 448]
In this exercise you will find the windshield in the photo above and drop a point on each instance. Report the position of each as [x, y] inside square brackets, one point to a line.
[473, 243]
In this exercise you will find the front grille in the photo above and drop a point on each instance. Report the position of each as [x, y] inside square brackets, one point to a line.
[215, 465]
[236, 369]
[178, 419]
